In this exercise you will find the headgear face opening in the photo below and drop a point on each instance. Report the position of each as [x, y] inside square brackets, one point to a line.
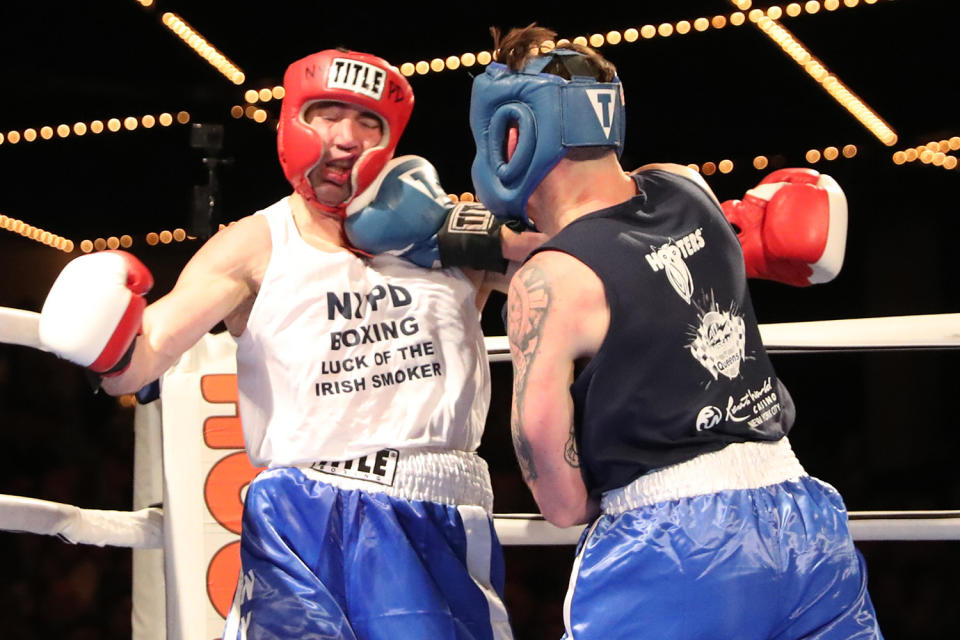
[551, 116]
[359, 79]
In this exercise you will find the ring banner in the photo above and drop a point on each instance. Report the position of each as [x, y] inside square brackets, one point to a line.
[205, 475]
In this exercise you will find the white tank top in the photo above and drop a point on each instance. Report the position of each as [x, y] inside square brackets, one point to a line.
[344, 356]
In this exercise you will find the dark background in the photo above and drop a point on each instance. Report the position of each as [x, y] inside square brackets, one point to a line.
[881, 427]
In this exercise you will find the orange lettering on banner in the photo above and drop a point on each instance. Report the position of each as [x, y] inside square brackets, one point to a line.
[224, 486]
[222, 577]
[221, 432]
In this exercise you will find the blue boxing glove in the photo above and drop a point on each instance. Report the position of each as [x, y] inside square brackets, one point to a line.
[401, 212]
[405, 212]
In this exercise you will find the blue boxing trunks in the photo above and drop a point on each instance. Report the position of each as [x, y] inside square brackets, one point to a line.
[740, 543]
[325, 555]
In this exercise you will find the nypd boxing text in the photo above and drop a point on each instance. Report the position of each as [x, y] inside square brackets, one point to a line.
[404, 363]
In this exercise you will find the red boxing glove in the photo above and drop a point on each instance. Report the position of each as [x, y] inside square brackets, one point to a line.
[94, 310]
[792, 227]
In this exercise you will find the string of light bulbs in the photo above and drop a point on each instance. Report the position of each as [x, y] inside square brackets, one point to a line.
[761, 162]
[111, 125]
[647, 32]
[629, 35]
[765, 19]
[202, 48]
[935, 153]
[19, 227]
[829, 81]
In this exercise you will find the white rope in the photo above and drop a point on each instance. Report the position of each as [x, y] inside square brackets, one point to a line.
[905, 525]
[934, 331]
[143, 529]
[20, 327]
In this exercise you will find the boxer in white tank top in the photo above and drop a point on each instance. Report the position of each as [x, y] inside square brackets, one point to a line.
[363, 382]
[343, 356]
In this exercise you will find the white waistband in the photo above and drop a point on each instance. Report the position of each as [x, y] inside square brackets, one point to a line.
[447, 477]
[741, 465]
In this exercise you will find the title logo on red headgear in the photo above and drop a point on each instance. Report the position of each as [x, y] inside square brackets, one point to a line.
[356, 76]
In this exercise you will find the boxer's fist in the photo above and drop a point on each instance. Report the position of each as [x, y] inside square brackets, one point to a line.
[401, 212]
[93, 311]
[792, 227]
[405, 212]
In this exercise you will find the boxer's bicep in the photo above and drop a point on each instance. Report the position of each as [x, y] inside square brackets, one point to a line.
[544, 342]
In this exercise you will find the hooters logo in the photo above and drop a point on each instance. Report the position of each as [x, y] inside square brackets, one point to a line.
[671, 257]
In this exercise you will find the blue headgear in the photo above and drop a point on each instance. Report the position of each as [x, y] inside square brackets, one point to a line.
[552, 115]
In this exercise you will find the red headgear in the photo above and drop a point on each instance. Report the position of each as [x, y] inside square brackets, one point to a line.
[359, 79]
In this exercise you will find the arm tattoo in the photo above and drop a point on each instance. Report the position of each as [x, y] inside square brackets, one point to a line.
[527, 306]
[570, 454]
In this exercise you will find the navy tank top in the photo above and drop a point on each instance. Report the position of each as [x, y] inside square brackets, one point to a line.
[682, 370]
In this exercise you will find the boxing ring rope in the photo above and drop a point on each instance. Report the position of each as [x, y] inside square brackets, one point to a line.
[188, 551]
[893, 333]
[143, 529]
[889, 333]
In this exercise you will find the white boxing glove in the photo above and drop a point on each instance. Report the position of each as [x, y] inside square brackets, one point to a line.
[94, 310]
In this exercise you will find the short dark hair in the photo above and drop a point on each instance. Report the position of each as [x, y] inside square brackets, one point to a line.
[522, 43]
